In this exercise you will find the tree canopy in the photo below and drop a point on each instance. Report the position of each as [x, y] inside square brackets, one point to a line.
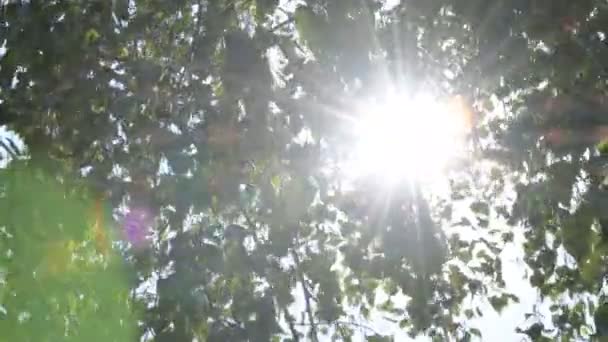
[173, 169]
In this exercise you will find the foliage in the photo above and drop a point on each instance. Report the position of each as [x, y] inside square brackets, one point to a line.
[192, 111]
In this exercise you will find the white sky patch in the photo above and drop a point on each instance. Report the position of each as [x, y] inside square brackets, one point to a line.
[163, 167]
[304, 137]
[289, 5]
[116, 84]
[5, 134]
[276, 61]
[390, 4]
[3, 49]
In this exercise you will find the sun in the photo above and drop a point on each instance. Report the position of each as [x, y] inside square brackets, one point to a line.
[408, 137]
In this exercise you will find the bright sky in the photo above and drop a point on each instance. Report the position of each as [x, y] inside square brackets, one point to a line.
[391, 3]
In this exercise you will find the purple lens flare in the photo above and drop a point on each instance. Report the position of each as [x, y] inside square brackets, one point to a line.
[136, 227]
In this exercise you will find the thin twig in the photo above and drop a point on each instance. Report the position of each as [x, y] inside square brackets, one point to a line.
[292, 327]
[307, 296]
[281, 24]
[252, 229]
[354, 324]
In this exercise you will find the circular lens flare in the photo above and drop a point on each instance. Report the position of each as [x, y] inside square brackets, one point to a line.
[136, 227]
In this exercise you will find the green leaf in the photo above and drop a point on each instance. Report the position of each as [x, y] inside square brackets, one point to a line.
[264, 8]
[602, 147]
[123, 53]
[378, 338]
[365, 312]
[311, 27]
[91, 36]
[499, 302]
[480, 208]
[276, 183]
[468, 313]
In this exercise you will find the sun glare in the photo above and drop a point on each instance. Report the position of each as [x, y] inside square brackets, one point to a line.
[412, 138]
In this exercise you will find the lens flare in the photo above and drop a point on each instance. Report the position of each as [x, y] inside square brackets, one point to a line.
[136, 227]
[409, 137]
